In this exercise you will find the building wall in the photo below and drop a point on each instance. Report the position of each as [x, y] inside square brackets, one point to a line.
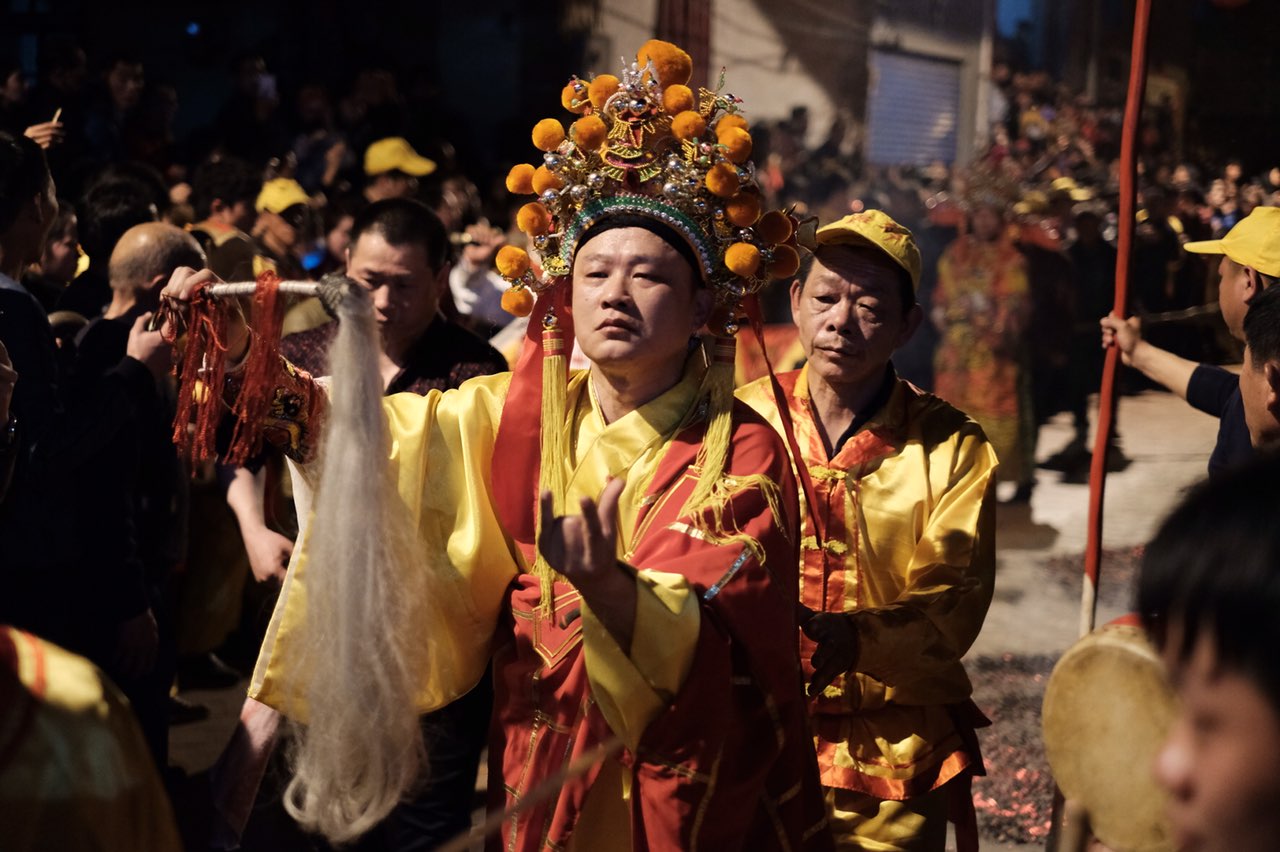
[814, 54]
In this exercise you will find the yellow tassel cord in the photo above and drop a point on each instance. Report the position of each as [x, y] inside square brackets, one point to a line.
[554, 443]
[706, 505]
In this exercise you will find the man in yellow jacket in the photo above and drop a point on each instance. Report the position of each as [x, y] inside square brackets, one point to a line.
[897, 550]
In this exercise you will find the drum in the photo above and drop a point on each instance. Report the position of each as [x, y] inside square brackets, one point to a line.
[1107, 709]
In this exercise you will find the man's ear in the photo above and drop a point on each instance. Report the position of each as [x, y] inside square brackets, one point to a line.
[1271, 370]
[702, 300]
[797, 290]
[441, 276]
[915, 315]
[1255, 283]
[37, 208]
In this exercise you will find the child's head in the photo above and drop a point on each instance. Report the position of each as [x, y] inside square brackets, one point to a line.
[1209, 594]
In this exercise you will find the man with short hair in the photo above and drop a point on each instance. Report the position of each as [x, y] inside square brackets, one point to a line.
[56, 578]
[283, 226]
[399, 252]
[141, 480]
[1250, 264]
[223, 193]
[392, 169]
[897, 553]
[111, 206]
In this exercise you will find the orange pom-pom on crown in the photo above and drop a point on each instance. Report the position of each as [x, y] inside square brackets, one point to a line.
[743, 209]
[602, 88]
[736, 143]
[517, 301]
[785, 263]
[672, 64]
[573, 96]
[512, 261]
[731, 120]
[774, 227]
[544, 179]
[722, 180]
[533, 219]
[589, 132]
[688, 125]
[677, 99]
[548, 134]
[520, 179]
[742, 259]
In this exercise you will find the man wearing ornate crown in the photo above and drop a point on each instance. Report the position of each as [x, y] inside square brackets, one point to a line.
[621, 541]
[897, 554]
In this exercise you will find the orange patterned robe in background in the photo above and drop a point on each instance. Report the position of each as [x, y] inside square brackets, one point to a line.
[982, 294]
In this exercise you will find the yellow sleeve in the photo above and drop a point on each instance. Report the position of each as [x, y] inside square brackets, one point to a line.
[442, 456]
[908, 649]
[632, 690]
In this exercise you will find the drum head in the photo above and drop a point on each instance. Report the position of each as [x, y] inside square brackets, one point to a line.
[1107, 709]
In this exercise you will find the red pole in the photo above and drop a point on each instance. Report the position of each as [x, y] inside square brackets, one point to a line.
[1124, 258]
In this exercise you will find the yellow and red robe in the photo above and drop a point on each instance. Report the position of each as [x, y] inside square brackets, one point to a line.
[75, 772]
[708, 703]
[902, 537]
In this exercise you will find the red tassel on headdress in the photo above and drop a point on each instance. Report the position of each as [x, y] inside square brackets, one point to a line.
[261, 368]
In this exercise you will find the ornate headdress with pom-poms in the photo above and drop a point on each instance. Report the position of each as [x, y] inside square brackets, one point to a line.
[647, 144]
[643, 144]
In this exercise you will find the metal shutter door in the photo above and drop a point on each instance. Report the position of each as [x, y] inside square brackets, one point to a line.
[913, 108]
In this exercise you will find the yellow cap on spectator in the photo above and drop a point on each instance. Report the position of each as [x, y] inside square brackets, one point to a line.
[395, 154]
[280, 194]
[873, 228]
[1254, 242]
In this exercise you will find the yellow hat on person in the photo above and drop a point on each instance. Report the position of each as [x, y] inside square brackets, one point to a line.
[395, 154]
[1254, 242]
[873, 228]
[280, 194]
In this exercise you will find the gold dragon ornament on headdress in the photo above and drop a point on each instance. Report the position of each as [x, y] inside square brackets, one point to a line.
[647, 144]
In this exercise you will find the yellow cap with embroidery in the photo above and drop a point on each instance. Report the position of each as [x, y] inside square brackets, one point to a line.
[1254, 242]
[396, 154]
[873, 228]
[280, 194]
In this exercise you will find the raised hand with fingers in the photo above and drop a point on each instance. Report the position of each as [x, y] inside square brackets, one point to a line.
[584, 549]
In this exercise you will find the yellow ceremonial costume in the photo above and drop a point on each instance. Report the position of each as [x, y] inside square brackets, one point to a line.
[75, 772]
[564, 685]
[902, 538]
[695, 735]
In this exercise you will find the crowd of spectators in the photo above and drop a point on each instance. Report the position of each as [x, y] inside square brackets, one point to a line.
[277, 179]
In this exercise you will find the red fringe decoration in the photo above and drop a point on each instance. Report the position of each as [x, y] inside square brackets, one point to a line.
[200, 379]
[261, 369]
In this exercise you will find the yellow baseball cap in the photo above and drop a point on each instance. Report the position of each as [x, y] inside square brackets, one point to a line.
[1254, 242]
[395, 154]
[280, 194]
[873, 228]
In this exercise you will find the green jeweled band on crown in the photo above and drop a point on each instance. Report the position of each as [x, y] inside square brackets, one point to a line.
[642, 205]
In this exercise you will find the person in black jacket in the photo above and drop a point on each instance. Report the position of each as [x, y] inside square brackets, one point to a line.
[62, 575]
[1250, 264]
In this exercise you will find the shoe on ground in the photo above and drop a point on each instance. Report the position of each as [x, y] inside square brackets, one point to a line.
[1067, 459]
